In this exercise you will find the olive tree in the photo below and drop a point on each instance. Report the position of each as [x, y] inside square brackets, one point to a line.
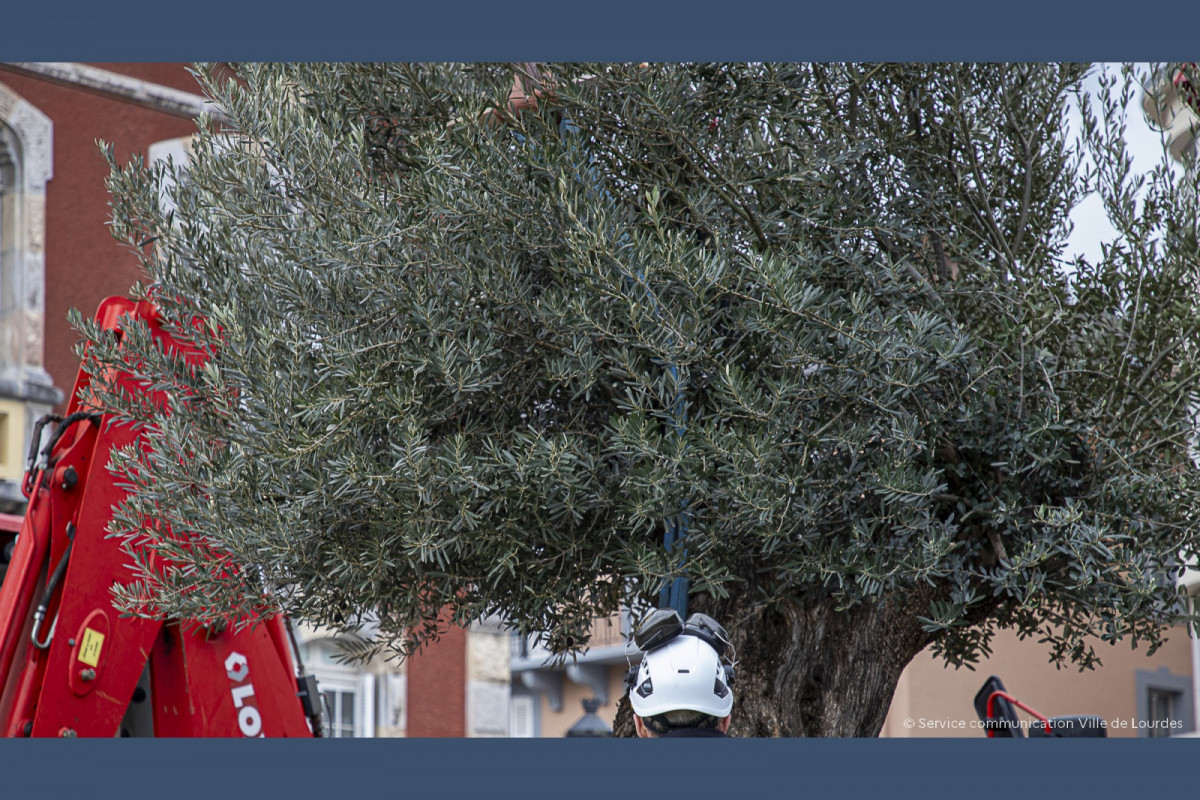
[817, 318]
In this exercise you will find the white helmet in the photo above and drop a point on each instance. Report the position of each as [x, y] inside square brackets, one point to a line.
[685, 673]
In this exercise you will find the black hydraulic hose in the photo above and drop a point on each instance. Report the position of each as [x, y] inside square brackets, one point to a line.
[48, 593]
[32, 464]
[36, 439]
[31, 461]
[64, 426]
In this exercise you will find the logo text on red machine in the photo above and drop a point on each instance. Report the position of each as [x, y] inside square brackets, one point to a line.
[238, 670]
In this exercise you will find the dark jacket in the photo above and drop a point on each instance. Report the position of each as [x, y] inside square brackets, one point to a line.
[693, 733]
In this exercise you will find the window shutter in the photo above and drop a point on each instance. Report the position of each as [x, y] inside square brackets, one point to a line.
[520, 717]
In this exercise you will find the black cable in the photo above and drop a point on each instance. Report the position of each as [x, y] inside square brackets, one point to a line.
[64, 426]
[51, 585]
[31, 460]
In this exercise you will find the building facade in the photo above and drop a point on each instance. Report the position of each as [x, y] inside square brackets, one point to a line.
[55, 249]
[56, 253]
[1171, 107]
[1136, 694]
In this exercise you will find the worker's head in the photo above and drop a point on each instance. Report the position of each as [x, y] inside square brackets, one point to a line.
[684, 679]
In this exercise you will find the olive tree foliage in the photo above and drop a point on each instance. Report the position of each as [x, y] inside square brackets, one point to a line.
[822, 315]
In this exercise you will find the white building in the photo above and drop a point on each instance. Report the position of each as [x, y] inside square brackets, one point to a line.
[1167, 110]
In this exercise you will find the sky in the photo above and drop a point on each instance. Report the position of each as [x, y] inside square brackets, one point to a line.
[1147, 147]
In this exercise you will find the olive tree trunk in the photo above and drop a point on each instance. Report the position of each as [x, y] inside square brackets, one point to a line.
[805, 669]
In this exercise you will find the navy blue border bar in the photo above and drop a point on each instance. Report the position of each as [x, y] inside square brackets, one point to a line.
[495, 30]
[424, 769]
[551, 30]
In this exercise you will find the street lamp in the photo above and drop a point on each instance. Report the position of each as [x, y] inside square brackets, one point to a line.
[589, 724]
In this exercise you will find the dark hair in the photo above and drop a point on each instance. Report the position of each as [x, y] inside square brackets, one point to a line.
[680, 718]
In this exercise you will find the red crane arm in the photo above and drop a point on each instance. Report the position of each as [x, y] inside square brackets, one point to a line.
[70, 665]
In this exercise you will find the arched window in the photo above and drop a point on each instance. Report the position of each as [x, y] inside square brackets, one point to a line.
[26, 389]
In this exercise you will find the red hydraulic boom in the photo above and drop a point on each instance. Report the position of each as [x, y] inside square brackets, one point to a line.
[70, 665]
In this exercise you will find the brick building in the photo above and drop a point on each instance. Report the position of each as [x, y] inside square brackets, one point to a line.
[56, 253]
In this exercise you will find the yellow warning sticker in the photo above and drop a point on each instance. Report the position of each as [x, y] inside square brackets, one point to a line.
[90, 647]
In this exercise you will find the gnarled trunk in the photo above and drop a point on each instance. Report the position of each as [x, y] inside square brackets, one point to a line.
[805, 669]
